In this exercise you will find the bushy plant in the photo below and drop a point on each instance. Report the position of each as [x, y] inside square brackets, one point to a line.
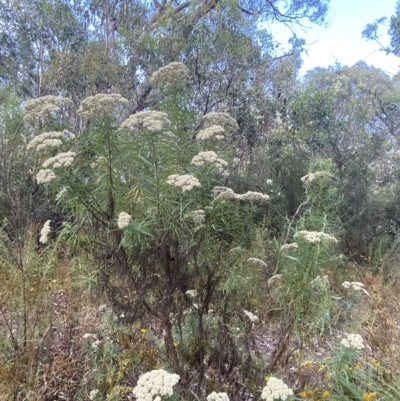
[161, 226]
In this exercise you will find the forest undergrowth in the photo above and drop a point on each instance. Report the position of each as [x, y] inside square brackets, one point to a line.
[62, 340]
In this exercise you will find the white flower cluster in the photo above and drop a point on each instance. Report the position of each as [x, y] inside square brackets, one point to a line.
[42, 107]
[355, 285]
[311, 177]
[152, 121]
[64, 159]
[289, 247]
[274, 279]
[211, 132]
[185, 181]
[217, 397]
[320, 283]
[45, 176]
[173, 73]
[44, 233]
[221, 119]
[276, 390]
[87, 336]
[253, 318]
[198, 216]
[256, 261]
[123, 220]
[101, 105]
[223, 193]
[191, 293]
[155, 384]
[251, 196]
[209, 158]
[46, 140]
[315, 236]
[353, 341]
[93, 394]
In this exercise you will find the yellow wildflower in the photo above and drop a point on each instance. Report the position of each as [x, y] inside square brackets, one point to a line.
[369, 396]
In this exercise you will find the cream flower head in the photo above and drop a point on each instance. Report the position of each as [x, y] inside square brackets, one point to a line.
[173, 73]
[150, 120]
[101, 105]
[185, 181]
[47, 140]
[44, 233]
[123, 220]
[276, 390]
[224, 120]
[45, 176]
[353, 341]
[151, 386]
[209, 158]
[39, 109]
[315, 236]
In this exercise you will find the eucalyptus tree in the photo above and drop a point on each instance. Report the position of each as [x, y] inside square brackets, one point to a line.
[372, 31]
[134, 38]
[349, 115]
[32, 31]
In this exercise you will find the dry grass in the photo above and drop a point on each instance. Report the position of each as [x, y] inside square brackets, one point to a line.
[55, 363]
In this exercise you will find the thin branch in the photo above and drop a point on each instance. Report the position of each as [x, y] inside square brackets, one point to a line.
[246, 11]
[294, 218]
